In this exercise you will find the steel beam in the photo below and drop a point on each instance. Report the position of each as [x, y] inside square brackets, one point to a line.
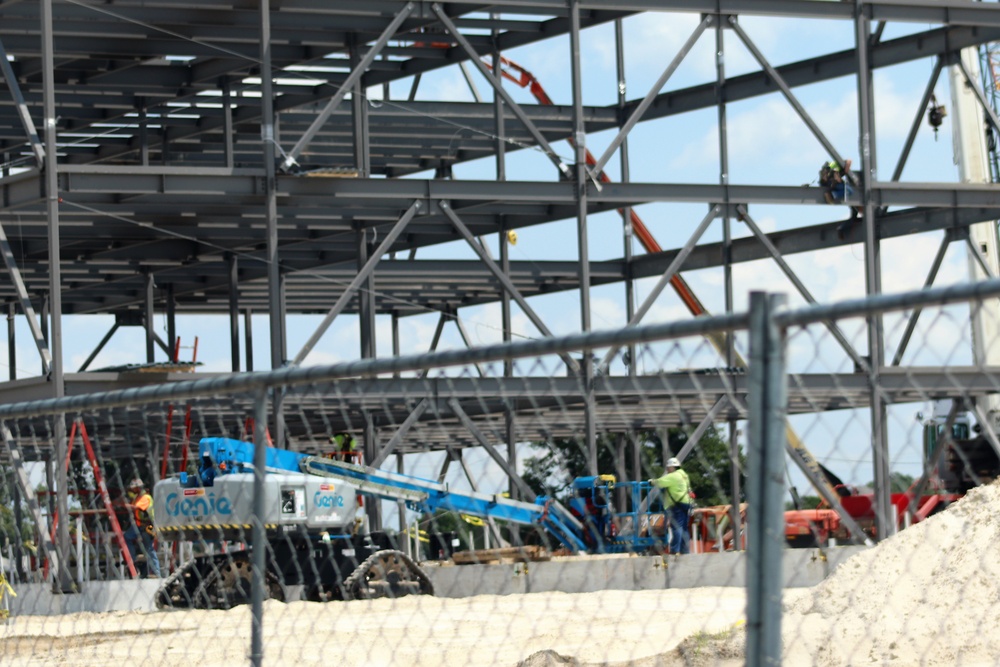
[508, 100]
[22, 108]
[504, 280]
[25, 300]
[699, 431]
[45, 545]
[390, 447]
[641, 108]
[475, 488]
[835, 331]
[668, 275]
[292, 155]
[456, 407]
[100, 346]
[911, 324]
[362, 276]
[918, 120]
[787, 92]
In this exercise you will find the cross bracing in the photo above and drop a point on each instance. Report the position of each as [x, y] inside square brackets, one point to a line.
[165, 197]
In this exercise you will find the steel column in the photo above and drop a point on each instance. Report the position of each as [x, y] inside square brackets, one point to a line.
[12, 343]
[248, 337]
[366, 298]
[373, 508]
[885, 513]
[144, 133]
[45, 544]
[727, 264]
[583, 248]
[148, 317]
[403, 543]
[234, 312]
[395, 339]
[63, 582]
[227, 122]
[627, 231]
[171, 323]
[500, 142]
[359, 117]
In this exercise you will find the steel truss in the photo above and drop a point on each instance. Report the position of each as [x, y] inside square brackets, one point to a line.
[171, 176]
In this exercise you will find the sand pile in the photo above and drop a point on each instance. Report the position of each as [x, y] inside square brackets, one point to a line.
[637, 628]
[928, 596]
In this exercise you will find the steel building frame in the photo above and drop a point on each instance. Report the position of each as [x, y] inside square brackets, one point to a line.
[148, 165]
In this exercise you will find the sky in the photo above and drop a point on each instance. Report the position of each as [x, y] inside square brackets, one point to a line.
[768, 145]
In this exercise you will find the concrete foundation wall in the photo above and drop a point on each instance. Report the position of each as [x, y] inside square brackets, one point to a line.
[802, 568]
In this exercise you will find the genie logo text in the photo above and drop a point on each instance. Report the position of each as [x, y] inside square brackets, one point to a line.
[326, 500]
[197, 504]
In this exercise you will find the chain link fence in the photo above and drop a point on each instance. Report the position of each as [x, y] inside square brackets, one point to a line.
[510, 505]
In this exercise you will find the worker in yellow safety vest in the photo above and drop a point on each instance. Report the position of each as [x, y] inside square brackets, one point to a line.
[675, 487]
[344, 446]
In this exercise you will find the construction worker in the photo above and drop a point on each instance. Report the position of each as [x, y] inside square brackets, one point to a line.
[676, 490]
[838, 189]
[344, 447]
[206, 472]
[141, 505]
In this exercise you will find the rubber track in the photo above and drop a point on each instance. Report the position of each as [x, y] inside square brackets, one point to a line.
[352, 579]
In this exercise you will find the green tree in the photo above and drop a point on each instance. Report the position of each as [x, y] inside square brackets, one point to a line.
[898, 482]
[708, 465]
[8, 527]
[805, 503]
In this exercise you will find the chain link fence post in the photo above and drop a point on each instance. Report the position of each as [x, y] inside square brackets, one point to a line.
[765, 481]
[259, 544]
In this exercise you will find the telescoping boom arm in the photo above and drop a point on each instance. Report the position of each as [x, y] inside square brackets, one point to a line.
[419, 494]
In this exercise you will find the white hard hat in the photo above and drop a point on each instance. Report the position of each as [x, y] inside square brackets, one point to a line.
[672, 462]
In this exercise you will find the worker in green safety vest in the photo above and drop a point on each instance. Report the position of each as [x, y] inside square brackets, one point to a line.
[675, 487]
[345, 446]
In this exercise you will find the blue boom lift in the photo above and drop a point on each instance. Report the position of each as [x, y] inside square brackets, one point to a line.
[312, 537]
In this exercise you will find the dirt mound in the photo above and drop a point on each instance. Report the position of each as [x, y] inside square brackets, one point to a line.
[929, 596]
